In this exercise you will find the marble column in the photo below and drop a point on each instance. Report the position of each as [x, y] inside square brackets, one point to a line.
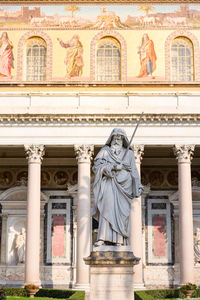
[136, 225]
[186, 253]
[32, 259]
[83, 154]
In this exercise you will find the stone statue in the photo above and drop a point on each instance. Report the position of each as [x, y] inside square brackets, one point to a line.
[116, 183]
[20, 245]
[197, 245]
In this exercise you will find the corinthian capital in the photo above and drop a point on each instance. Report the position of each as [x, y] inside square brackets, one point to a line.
[138, 152]
[84, 152]
[184, 153]
[34, 153]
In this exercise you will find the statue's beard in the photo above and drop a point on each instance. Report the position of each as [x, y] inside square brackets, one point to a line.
[116, 148]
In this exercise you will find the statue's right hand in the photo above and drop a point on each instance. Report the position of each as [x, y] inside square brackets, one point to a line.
[107, 172]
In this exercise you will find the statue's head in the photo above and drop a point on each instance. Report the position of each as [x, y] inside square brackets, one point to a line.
[117, 139]
[118, 136]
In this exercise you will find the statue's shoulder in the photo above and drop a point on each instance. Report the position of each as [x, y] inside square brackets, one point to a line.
[103, 152]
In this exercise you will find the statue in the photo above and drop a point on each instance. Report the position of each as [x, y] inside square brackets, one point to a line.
[197, 245]
[20, 245]
[116, 183]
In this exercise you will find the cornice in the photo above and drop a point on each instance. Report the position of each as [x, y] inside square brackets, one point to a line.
[63, 120]
[95, 84]
[95, 1]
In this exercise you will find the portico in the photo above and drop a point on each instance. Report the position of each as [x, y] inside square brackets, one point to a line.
[157, 173]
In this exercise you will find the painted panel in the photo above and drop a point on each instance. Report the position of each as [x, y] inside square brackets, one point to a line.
[159, 232]
[100, 16]
[71, 34]
[58, 238]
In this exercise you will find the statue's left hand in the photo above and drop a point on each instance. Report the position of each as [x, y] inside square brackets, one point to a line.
[118, 167]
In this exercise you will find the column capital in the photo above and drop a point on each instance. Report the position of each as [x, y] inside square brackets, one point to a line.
[138, 152]
[34, 153]
[84, 153]
[184, 153]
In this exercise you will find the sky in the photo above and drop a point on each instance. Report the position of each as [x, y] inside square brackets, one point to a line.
[91, 11]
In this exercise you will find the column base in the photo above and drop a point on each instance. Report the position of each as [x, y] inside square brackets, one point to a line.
[82, 287]
[38, 283]
[139, 286]
[111, 274]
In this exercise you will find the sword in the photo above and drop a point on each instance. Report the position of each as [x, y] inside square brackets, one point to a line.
[132, 136]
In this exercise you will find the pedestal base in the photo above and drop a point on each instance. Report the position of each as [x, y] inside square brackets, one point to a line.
[111, 274]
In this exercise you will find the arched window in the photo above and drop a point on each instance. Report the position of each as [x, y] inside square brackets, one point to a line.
[108, 60]
[182, 60]
[35, 65]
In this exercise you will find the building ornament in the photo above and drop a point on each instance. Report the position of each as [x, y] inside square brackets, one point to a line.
[98, 1]
[34, 153]
[195, 182]
[170, 120]
[184, 153]
[84, 153]
[138, 151]
[197, 245]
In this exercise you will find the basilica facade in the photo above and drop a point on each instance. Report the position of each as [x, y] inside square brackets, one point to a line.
[70, 72]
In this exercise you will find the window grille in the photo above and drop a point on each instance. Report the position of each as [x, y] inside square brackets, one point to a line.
[108, 60]
[36, 59]
[182, 60]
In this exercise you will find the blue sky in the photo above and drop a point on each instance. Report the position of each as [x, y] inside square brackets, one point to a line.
[91, 11]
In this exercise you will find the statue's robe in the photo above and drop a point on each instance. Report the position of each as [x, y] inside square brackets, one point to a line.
[113, 196]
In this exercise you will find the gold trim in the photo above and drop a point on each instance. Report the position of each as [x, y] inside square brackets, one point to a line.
[96, 1]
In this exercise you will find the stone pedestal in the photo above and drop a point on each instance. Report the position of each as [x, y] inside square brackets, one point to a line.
[111, 273]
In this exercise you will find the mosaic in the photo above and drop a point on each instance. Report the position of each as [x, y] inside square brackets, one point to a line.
[99, 16]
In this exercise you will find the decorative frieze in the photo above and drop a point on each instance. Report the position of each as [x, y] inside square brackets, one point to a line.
[84, 153]
[101, 1]
[184, 153]
[34, 153]
[63, 120]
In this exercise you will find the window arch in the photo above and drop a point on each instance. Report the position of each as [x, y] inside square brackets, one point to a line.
[35, 59]
[108, 59]
[182, 59]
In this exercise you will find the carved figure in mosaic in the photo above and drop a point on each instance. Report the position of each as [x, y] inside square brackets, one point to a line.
[108, 20]
[45, 178]
[197, 245]
[116, 183]
[5, 178]
[61, 178]
[147, 57]
[6, 56]
[20, 245]
[74, 56]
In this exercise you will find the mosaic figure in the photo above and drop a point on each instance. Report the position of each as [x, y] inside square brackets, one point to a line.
[74, 56]
[147, 57]
[6, 56]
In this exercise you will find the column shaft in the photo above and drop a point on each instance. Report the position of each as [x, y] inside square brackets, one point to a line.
[186, 251]
[136, 225]
[84, 153]
[32, 260]
[185, 224]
